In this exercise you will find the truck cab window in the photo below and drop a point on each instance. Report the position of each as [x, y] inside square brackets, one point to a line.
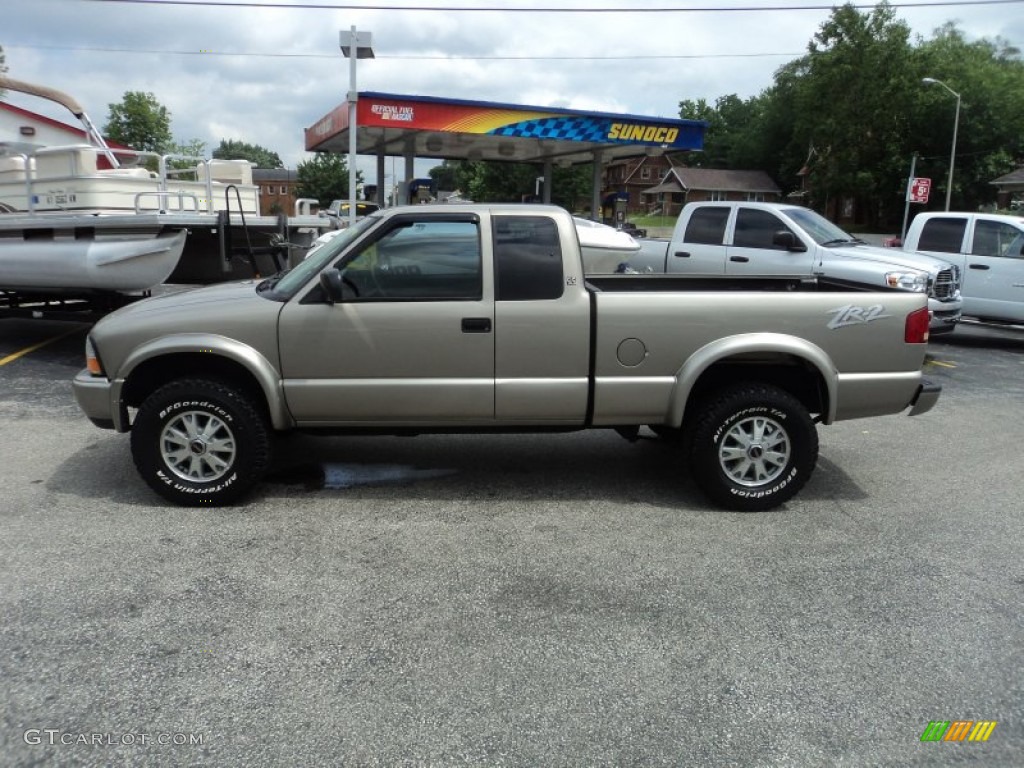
[756, 229]
[419, 261]
[994, 238]
[707, 226]
[942, 235]
[527, 259]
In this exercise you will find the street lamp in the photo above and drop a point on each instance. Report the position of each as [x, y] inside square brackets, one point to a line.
[956, 124]
[354, 45]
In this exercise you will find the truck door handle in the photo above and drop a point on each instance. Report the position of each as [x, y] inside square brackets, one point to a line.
[682, 254]
[978, 266]
[740, 259]
[476, 325]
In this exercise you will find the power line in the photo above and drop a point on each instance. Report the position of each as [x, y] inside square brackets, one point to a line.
[502, 9]
[205, 52]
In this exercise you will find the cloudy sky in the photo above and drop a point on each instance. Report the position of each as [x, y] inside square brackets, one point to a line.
[261, 72]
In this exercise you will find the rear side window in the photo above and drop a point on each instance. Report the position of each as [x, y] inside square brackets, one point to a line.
[944, 235]
[707, 226]
[756, 229]
[527, 259]
[994, 238]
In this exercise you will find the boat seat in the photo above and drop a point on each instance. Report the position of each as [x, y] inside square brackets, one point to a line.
[12, 169]
[227, 171]
[73, 161]
[133, 173]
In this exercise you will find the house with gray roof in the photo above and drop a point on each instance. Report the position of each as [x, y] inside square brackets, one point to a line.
[686, 185]
[1009, 188]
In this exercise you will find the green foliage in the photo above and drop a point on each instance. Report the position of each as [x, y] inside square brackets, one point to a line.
[193, 148]
[494, 182]
[3, 68]
[141, 122]
[230, 149]
[852, 111]
[324, 177]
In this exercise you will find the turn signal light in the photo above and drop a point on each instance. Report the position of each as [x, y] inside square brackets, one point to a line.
[916, 329]
[92, 360]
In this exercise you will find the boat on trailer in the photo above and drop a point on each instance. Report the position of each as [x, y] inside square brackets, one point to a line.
[86, 220]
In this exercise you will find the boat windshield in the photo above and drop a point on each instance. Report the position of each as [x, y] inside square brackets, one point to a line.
[821, 229]
[285, 285]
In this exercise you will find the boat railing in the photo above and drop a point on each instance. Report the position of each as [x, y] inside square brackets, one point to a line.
[67, 164]
[162, 197]
[202, 171]
[304, 206]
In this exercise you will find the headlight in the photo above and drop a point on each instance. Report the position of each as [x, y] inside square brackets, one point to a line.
[92, 360]
[908, 281]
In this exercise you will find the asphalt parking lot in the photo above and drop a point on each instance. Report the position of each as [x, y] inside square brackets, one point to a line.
[514, 600]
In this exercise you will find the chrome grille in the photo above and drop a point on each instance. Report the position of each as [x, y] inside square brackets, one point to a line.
[946, 284]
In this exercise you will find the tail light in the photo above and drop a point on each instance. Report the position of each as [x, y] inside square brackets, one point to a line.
[916, 329]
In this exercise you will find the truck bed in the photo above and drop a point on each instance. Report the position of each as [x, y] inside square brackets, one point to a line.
[702, 283]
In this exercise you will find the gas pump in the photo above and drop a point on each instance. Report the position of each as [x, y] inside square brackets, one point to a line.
[621, 205]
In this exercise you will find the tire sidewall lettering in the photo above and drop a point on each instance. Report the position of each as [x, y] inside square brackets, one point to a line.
[757, 410]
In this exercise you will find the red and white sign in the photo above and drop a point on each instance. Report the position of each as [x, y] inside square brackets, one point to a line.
[918, 190]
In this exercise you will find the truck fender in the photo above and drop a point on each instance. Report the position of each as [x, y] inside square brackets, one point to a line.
[730, 346]
[253, 361]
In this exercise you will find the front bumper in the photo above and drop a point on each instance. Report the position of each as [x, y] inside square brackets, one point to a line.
[925, 398]
[944, 315]
[97, 397]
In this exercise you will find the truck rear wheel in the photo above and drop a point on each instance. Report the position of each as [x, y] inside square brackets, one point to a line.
[200, 442]
[753, 447]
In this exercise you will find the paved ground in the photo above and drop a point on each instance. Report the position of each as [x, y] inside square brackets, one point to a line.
[529, 601]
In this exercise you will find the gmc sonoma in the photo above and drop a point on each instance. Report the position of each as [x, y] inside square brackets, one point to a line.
[479, 317]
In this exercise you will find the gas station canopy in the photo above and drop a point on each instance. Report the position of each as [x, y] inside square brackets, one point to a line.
[422, 126]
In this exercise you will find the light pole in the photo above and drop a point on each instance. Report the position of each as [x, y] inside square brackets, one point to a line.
[956, 125]
[354, 45]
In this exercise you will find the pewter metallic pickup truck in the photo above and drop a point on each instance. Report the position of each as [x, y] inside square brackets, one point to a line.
[474, 318]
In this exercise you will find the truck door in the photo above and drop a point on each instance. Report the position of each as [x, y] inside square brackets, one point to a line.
[993, 278]
[542, 324]
[702, 250]
[413, 341]
[753, 251]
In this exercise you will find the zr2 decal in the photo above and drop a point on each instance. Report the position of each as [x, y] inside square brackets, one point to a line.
[853, 315]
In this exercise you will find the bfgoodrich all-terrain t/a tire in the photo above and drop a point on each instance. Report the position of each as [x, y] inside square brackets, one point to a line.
[753, 447]
[200, 442]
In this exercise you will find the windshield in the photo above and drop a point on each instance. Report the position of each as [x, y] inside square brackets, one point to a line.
[818, 227]
[287, 283]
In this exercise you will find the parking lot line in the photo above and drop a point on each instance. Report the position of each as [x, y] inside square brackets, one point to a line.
[28, 350]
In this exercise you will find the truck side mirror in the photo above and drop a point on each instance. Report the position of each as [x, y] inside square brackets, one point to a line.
[788, 241]
[330, 284]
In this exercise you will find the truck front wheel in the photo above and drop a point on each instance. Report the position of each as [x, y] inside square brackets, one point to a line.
[200, 442]
[753, 447]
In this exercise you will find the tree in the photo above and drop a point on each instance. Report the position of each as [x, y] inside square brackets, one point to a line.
[849, 114]
[193, 148]
[261, 157]
[3, 68]
[324, 177]
[140, 121]
[989, 76]
[496, 182]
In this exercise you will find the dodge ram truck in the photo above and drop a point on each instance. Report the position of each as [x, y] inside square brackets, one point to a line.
[473, 318]
[988, 248]
[734, 238]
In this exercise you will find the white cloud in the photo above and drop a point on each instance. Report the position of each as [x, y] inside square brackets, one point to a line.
[269, 100]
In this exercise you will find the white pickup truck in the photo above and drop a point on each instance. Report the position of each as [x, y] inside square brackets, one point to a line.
[988, 248]
[479, 318]
[748, 238]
